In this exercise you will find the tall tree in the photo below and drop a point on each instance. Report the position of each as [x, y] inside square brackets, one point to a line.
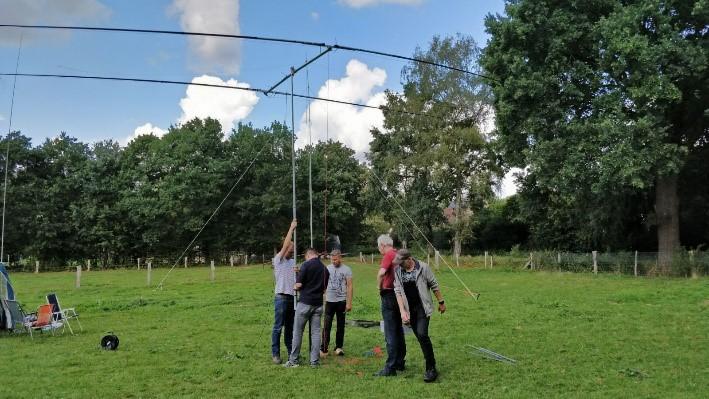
[603, 100]
[432, 151]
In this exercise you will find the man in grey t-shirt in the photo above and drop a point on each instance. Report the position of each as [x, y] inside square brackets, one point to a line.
[338, 301]
[283, 303]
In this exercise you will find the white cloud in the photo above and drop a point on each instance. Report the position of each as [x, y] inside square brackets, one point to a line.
[508, 186]
[51, 12]
[367, 3]
[314, 15]
[225, 105]
[217, 16]
[347, 123]
[487, 125]
[145, 129]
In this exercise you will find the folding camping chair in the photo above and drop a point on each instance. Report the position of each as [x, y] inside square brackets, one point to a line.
[45, 319]
[16, 316]
[62, 315]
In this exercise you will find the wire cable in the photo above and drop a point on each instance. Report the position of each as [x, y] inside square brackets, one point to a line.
[231, 190]
[381, 186]
[247, 37]
[7, 150]
[185, 83]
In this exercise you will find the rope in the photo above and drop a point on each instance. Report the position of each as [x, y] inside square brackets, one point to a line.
[7, 151]
[160, 285]
[381, 186]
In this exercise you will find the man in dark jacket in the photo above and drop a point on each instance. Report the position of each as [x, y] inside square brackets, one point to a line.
[413, 283]
[311, 283]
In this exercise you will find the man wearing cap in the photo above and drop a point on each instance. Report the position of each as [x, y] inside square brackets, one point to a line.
[393, 330]
[338, 301]
[413, 281]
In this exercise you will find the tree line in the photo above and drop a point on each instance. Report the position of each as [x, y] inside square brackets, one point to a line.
[602, 106]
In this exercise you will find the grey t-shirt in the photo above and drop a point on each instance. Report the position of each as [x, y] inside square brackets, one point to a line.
[337, 284]
[284, 274]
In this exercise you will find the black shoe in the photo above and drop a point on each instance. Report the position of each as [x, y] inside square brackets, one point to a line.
[430, 375]
[385, 373]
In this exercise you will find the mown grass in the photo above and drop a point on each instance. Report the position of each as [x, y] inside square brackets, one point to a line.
[573, 335]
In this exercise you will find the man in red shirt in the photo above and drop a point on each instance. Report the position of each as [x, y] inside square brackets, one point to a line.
[393, 329]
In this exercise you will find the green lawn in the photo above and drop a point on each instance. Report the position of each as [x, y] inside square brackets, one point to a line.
[573, 335]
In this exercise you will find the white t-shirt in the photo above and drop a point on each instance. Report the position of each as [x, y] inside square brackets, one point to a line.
[284, 274]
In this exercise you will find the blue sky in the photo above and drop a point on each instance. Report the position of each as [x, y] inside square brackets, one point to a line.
[92, 110]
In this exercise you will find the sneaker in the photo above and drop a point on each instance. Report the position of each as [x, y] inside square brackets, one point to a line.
[430, 375]
[323, 354]
[385, 373]
[339, 352]
[290, 365]
[276, 359]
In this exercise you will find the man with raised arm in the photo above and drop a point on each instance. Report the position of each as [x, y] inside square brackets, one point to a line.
[413, 283]
[393, 329]
[311, 283]
[284, 307]
[338, 301]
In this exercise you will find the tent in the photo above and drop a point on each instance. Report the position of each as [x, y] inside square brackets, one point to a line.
[6, 292]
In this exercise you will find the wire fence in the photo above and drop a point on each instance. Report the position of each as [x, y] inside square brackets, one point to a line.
[233, 259]
[681, 263]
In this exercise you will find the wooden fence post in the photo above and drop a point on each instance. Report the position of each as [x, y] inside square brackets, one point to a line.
[492, 257]
[150, 273]
[185, 262]
[211, 270]
[486, 259]
[246, 258]
[138, 263]
[36, 267]
[635, 268]
[437, 256]
[693, 271]
[531, 261]
[78, 276]
[595, 262]
[372, 258]
[88, 265]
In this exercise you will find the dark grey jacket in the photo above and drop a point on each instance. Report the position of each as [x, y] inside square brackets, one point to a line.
[425, 282]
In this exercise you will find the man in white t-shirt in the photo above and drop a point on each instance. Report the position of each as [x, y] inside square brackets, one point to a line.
[284, 308]
[338, 301]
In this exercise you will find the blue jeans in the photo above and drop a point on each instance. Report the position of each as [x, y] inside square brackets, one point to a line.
[393, 331]
[284, 313]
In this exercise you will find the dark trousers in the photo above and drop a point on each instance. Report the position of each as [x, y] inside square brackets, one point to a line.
[333, 309]
[419, 324]
[393, 331]
[284, 313]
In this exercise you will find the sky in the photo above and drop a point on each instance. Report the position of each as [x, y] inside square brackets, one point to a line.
[93, 111]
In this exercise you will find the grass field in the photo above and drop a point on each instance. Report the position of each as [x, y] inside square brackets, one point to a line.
[573, 335]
